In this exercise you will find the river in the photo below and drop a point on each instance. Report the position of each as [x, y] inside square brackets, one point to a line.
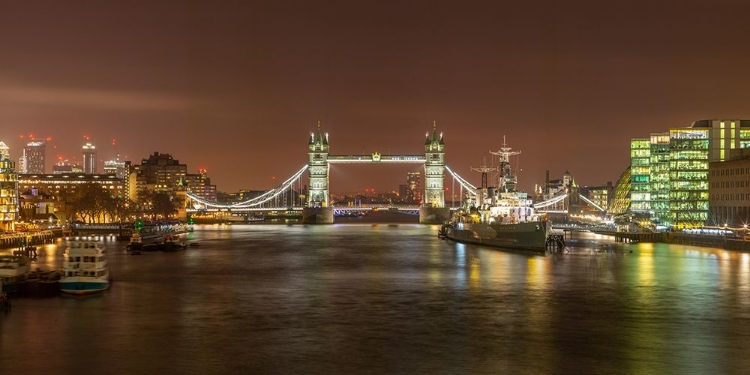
[389, 298]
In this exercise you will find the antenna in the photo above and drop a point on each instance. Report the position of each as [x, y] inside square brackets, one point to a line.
[484, 169]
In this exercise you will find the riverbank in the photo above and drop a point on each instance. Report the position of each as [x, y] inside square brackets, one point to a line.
[8, 241]
[679, 238]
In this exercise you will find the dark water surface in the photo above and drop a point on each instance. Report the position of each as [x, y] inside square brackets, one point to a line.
[389, 299]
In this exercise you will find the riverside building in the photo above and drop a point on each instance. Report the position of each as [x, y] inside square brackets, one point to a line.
[729, 182]
[8, 192]
[670, 171]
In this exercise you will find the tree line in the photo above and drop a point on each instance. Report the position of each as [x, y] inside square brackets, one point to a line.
[92, 203]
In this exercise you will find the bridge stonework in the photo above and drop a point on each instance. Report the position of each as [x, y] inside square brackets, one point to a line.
[318, 208]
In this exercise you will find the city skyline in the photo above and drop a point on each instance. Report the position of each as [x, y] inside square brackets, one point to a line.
[249, 82]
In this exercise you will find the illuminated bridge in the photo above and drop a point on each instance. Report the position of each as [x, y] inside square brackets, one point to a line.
[315, 206]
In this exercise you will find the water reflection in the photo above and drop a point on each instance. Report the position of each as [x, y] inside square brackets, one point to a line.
[348, 298]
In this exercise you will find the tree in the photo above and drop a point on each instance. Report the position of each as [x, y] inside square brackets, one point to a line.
[163, 205]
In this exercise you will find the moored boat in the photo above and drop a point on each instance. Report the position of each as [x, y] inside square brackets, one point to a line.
[499, 216]
[13, 271]
[172, 242]
[85, 268]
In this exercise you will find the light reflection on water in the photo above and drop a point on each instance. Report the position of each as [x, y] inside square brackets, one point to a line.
[390, 298]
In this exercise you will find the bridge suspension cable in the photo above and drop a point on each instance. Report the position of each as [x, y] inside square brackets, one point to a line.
[593, 204]
[257, 201]
[466, 185]
[550, 202]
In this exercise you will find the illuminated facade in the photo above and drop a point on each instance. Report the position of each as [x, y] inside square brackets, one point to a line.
[640, 156]
[659, 178]
[89, 158]
[729, 182]
[33, 158]
[413, 187]
[434, 169]
[318, 168]
[621, 199]
[600, 195]
[62, 184]
[4, 151]
[8, 194]
[670, 171]
[200, 185]
[159, 173]
[115, 167]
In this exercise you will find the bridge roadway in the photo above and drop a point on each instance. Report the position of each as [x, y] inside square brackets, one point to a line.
[409, 209]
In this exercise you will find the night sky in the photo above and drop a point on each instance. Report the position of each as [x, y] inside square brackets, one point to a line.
[236, 87]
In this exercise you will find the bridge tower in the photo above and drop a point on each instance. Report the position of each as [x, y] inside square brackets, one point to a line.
[318, 167]
[434, 169]
[318, 210]
[434, 210]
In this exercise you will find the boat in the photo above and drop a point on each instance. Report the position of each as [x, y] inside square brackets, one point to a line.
[136, 244]
[13, 272]
[172, 242]
[499, 216]
[85, 269]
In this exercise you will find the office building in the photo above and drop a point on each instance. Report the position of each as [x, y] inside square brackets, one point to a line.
[33, 160]
[115, 167]
[4, 151]
[89, 158]
[729, 183]
[200, 185]
[8, 193]
[414, 187]
[670, 178]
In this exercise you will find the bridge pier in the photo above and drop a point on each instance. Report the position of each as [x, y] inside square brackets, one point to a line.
[434, 215]
[317, 215]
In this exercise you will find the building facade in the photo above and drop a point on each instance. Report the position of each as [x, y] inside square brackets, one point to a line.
[729, 182]
[8, 194]
[413, 188]
[670, 171]
[89, 158]
[200, 185]
[33, 158]
[159, 173]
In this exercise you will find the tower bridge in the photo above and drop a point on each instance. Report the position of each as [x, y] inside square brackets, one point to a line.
[316, 206]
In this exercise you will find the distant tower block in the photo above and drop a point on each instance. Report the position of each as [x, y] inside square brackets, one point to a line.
[318, 167]
[434, 169]
[89, 158]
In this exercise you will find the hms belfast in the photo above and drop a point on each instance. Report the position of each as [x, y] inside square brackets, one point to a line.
[499, 216]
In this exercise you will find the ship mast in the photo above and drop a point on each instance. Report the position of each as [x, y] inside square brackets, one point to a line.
[484, 169]
[507, 181]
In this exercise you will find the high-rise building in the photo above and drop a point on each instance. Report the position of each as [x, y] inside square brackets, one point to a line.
[8, 193]
[640, 155]
[659, 178]
[32, 159]
[4, 151]
[678, 168]
[160, 172]
[200, 185]
[115, 167]
[413, 187]
[89, 158]
[729, 182]
[64, 166]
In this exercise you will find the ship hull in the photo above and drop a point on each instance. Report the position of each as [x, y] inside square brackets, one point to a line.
[82, 285]
[529, 236]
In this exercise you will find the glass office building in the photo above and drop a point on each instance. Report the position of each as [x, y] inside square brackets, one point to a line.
[669, 171]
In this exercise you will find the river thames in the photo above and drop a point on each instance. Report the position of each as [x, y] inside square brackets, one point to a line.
[389, 298]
